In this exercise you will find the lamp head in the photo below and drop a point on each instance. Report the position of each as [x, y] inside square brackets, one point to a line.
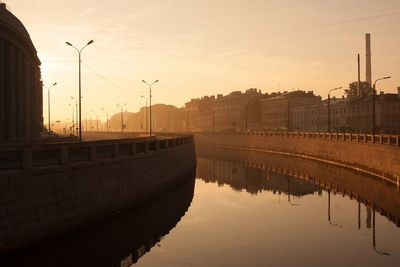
[143, 81]
[156, 81]
[68, 43]
[54, 84]
[90, 42]
[388, 77]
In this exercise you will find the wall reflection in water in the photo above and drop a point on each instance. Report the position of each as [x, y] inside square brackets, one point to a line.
[256, 172]
[118, 241]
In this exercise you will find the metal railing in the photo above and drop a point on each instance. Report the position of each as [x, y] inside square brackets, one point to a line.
[392, 140]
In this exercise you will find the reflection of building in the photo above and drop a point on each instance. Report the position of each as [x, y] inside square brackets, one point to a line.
[253, 180]
[20, 81]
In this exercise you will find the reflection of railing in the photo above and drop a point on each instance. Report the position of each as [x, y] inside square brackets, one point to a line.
[28, 157]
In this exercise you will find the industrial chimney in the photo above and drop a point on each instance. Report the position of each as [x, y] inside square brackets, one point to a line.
[368, 72]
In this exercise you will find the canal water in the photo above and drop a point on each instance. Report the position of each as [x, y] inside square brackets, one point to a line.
[245, 209]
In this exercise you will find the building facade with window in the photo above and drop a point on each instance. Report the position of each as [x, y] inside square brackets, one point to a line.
[21, 115]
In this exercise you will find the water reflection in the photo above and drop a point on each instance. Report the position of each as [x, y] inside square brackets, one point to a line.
[255, 172]
[117, 241]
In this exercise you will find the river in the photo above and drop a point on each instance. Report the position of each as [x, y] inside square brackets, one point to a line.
[244, 209]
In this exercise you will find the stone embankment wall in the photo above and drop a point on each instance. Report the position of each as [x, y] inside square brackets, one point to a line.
[51, 189]
[378, 155]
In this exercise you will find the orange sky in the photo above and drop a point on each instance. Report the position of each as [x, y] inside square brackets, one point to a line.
[206, 47]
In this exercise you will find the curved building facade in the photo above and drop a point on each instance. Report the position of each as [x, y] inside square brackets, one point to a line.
[21, 100]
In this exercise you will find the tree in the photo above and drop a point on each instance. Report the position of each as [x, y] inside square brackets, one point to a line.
[365, 89]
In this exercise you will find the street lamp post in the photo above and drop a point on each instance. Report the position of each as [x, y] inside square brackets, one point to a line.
[97, 120]
[146, 112]
[329, 107]
[86, 128]
[80, 85]
[106, 117]
[48, 105]
[122, 116]
[150, 96]
[73, 118]
[76, 114]
[373, 104]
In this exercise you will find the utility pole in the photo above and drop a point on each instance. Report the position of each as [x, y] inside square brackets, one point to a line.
[48, 105]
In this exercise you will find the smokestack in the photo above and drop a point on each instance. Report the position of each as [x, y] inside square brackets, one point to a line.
[368, 72]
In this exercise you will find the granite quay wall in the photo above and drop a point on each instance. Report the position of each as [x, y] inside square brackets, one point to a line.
[51, 189]
[378, 155]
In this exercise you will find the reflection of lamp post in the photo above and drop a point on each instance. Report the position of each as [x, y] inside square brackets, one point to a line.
[106, 117]
[373, 103]
[374, 234]
[80, 85]
[150, 96]
[146, 111]
[122, 116]
[288, 184]
[329, 107]
[48, 105]
[329, 210]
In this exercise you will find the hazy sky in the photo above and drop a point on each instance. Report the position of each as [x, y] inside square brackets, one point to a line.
[206, 47]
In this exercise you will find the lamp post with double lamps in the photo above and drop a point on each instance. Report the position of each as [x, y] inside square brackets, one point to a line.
[150, 96]
[48, 105]
[76, 113]
[97, 120]
[106, 118]
[373, 103]
[145, 98]
[122, 115]
[329, 107]
[80, 84]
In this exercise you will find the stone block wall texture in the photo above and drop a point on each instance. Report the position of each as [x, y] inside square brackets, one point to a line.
[43, 202]
[380, 159]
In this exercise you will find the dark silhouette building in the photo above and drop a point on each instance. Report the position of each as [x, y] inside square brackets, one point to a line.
[21, 115]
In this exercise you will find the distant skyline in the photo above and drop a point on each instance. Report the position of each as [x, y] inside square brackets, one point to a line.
[204, 48]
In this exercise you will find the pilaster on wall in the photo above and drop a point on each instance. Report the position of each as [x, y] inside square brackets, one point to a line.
[12, 119]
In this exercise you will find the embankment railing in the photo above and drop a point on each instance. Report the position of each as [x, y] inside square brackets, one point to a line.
[392, 140]
[44, 155]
